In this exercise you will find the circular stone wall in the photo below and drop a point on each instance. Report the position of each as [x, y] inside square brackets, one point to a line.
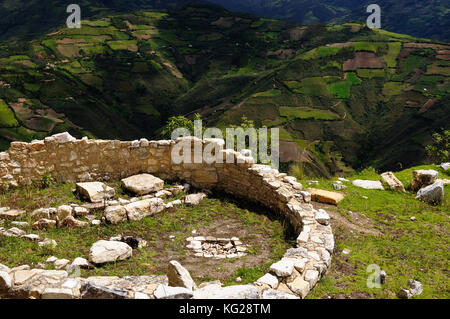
[66, 159]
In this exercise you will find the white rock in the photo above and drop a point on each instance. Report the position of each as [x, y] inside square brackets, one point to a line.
[368, 184]
[194, 199]
[57, 293]
[81, 262]
[432, 194]
[115, 214]
[96, 192]
[282, 268]
[80, 211]
[346, 251]
[4, 268]
[20, 224]
[143, 184]
[51, 260]
[61, 263]
[5, 282]
[32, 237]
[167, 292]
[322, 217]
[179, 276]
[445, 166]
[312, 276]
[230, 292]
[14, 232]
[6, 213]
[141, 295]
[269, 280]
[299, 286]
[277, 294]
[63, 211]
[404, 294]
[104, 251]
[416, 287]
[63, 138]
[144, 208]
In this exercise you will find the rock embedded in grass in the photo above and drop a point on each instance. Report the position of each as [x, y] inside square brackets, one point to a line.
[367, 184]
[144, 208]
[44, 224]
[393, 182]
[194, 199]
[13, 232]
[445, 166]
[115, 214]
[47, 242]
[422, 178]
[6, 213]
[326, 197]
[415, 286]
[432, 194]
[95, 192]
[143, 184]
[104, 251]
[71, 222]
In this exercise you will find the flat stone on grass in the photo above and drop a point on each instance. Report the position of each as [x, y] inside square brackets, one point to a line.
[143, 184]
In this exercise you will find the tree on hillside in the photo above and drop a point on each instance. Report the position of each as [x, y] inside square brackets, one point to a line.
[439, 150]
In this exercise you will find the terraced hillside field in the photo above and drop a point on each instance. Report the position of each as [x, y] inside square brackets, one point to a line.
[343, 95]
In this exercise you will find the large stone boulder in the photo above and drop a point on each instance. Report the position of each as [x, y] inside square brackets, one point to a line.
[104, 251]
[179, 276]
[445, 166]
[95, 192]
[144, 208]
[143, 184]
[327, 197]
[366, 184]
[393, 182]
[422, 178]
[431, 194]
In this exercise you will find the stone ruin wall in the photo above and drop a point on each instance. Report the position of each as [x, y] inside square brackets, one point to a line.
[66, 159]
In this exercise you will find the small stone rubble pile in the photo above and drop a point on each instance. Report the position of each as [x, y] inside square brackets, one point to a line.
[212, 247]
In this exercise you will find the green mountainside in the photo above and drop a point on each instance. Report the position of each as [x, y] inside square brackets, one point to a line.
[343, 96]
[426, 19]
[429, 19]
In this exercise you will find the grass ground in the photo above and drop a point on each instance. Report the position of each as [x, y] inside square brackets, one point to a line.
[265, 236]
[378, 230]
